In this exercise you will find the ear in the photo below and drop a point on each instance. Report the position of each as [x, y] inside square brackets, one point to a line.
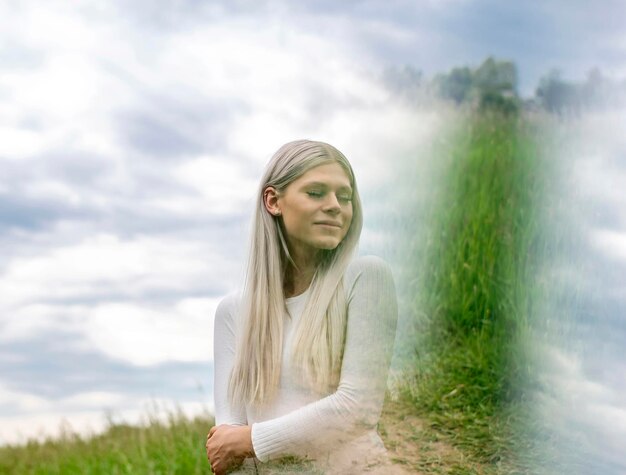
[270, 200]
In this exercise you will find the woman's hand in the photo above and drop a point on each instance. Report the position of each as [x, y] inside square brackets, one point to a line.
[227, 446]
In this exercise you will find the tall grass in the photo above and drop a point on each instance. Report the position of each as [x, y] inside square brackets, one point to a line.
[472, 367]
[161, 446]
[175, 446]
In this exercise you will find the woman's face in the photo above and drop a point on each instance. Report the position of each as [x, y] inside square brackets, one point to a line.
[316, 209]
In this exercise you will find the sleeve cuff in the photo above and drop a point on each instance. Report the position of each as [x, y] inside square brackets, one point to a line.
[257, 445]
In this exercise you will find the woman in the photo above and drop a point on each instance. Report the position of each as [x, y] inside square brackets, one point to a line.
[301, 357]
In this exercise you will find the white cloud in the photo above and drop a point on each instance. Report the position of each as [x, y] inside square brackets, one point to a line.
[598, 179]
[16, 142]
[53, 190]
[221, 182]
[63, 89]
[580, 408]
[35, 288]
[23, 401]
[146, 336]
[609, 242]
[135, 333]
[595, 153]
[85, 401]
[105, 264]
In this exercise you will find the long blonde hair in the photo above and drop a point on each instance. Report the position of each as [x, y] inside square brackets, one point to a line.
[320, 332]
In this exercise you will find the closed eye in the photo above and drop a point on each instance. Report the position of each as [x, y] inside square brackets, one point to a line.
[344, 198]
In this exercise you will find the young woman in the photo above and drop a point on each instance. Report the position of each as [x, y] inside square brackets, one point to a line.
[302, 355]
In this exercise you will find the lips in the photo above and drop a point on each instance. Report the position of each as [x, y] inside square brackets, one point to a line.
[329, 223]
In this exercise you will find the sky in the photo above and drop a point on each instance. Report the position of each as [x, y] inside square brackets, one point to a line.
[581, 336]
[132, 136]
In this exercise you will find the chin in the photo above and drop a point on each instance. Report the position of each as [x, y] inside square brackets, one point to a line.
[328, 246]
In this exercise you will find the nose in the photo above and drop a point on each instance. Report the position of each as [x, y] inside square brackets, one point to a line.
[332, 204]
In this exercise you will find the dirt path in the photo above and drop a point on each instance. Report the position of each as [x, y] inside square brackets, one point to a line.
[415, 448]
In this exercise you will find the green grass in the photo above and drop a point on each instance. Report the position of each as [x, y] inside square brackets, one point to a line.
[175, 446]
[472, 372]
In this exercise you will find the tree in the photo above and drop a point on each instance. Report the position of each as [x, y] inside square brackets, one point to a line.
[493, 86]
[556, 95]
[456, 85]
[496, 77]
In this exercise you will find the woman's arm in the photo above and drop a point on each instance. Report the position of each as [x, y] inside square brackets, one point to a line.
[357, 403]
[229, 441]
[224, 342]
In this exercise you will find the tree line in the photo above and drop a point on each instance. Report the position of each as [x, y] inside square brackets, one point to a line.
[493, 85]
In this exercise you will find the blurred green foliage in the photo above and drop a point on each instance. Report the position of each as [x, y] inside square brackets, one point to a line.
[472, 369]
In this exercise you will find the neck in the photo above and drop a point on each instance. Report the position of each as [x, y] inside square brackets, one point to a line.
[299, 277]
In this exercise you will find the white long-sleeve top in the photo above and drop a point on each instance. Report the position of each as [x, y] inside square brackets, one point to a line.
[339, 428]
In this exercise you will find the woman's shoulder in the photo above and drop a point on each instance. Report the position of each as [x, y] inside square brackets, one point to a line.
[227, 308]
[370, 269]
[371, 291]
[368, 264]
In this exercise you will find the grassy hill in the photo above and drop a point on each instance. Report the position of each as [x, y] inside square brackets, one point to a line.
[472, 374]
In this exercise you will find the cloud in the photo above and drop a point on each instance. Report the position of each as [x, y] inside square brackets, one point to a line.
[223, 185]
[587, 416]
[130, 332]
[105, 266]
[610, 242]
[597, 168]
[61, 362]
[147, 336]
[81, 401]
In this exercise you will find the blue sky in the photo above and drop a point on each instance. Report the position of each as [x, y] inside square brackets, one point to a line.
[132, 135]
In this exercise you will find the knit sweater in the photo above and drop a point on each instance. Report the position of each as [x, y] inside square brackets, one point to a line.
[339, 428]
